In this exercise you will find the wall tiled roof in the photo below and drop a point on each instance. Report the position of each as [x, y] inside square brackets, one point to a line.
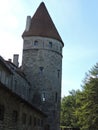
[2, 61]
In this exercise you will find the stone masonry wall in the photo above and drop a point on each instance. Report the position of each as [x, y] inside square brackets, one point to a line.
[42, 64]
[15, 114]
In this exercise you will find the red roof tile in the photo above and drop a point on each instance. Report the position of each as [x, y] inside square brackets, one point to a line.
[42, 25]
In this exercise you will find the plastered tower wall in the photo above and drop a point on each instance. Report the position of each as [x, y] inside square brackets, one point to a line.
[42, 64]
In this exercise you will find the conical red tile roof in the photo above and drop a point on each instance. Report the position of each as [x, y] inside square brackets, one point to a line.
[42, 25]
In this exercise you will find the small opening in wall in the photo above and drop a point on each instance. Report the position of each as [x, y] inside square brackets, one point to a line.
[15, 86]
[35, 121]
[30, 120]
[15, 116]
[41, 68]
[43, 97]
[0, 74]
[35, 43]
[41, 122]
[1, 112]
[60, 48]
[56, 97]
[38, 121]
[50, 44]
[58, 73]
[23, 118]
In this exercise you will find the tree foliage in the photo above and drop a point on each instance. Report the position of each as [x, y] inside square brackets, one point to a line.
[68, 107]
[80, 108]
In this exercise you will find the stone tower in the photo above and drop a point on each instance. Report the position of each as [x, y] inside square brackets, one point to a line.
[42, 64]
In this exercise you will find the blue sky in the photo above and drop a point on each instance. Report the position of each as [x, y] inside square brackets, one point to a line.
[77, 23]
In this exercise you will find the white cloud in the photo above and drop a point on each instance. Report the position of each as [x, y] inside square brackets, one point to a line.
[8, 13]
[10, 41]
[9, 45]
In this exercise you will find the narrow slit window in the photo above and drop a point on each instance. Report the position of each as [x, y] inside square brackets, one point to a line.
[38, 122]
[23, 118]
[15, 84]
[0, 74]
[60, 48]
[58, 73]
[43, 97]
[41, 122]
[35, 121]
[15, 116]
[30, 120]
[1, 112]
[56, 97]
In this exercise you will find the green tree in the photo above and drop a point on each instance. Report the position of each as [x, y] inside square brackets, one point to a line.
[80, 108]
[87, 111]
[68, 106]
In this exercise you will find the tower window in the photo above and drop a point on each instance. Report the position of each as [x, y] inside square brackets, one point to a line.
[43, 97]
[41, 122]
[15, 84]
[35, 121]
[56, 97]
[15, 116]
[35, 43]
[1, 112]
[23, 118]
[60, 48]
[30, 120]
[38, 122]
[0, 73]
[50, 44]
[41, 68]
[58, 71]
